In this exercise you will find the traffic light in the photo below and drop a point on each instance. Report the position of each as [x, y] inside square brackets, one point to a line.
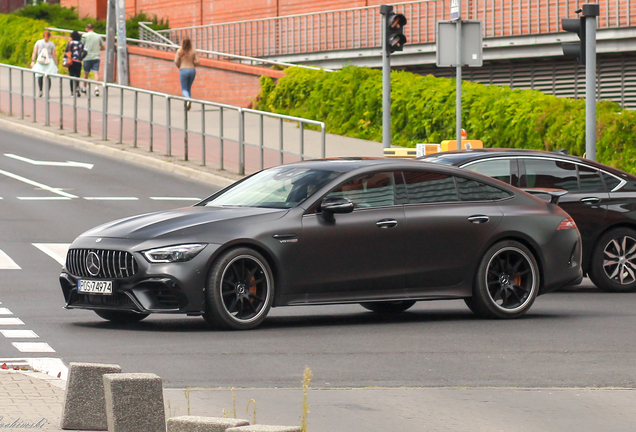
[574, 49]
[395, 38]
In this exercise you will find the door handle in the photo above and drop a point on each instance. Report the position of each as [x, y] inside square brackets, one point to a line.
[591, 200]
[386, 223]
[479, 219]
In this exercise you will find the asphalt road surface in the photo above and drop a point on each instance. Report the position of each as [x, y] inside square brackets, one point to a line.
[578, 337]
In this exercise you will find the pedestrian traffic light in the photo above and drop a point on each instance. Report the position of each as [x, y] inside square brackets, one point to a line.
[395, 38]
[575, 49]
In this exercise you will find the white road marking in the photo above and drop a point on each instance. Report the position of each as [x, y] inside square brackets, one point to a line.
[5, 311]
[57, 251]
[6, 263]
[32, 346]
[51, 366]
[10, 321]
[22, 334]
[47, 163]
[56, 191]
[111, 198]
[175, 199]
[53, 198]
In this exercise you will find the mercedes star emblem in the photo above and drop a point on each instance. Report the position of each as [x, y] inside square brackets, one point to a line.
[93, 264]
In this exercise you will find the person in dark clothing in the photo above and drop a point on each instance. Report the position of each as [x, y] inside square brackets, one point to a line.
[75, 50]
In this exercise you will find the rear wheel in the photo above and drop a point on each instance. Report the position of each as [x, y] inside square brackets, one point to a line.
[507, 282]
[613, 265]
[121, 317]
[240, 290]
[390, 307]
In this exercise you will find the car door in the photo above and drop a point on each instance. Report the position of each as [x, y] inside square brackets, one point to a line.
[353, 254]
[586, 200]
[449, 220]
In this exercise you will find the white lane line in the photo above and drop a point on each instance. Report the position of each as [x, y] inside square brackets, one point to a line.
[11, 321]
[5, 311]
[54, 198]
[57, 251]
[22, 334]
[56, 191]
[6, 263]
[175, 199]
[111, 198]
[33, 347]
[48, 163]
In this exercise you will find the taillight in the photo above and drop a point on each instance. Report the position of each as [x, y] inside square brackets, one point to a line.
[567, 224]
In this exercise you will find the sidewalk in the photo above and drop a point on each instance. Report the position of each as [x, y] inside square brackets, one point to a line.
[30, 397]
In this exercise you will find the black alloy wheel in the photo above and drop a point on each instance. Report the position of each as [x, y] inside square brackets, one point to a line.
[507, 282]
[240, 290]
[390, 307]
[613, 266]
[121, 317]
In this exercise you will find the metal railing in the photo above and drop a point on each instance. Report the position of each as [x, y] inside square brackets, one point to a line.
[245, 139]
[360, 28]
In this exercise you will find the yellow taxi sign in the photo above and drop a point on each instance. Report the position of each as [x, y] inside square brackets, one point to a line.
[449, 145]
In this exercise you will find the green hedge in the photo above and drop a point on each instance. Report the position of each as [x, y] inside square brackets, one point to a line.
[18, 36]
[423, 110]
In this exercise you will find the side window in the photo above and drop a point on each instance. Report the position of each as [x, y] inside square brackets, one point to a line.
[590, 179]
[495, 168]
[369, 190]
[610, 181]
[550, 174]
[429, 187]
[473, 190]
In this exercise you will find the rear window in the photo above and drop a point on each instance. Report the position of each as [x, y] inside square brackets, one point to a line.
[473, 190]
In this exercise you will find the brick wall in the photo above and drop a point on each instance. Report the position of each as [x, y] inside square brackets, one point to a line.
[217, 81]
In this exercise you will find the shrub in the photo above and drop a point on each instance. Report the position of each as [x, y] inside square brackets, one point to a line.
[423, 110]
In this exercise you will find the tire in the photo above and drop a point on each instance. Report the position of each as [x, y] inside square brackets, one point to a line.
[121, 317]
[240, 290]
[613, 262]
[506, 283]
[390, 307]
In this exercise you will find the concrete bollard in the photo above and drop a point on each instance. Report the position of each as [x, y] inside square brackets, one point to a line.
[134, 402]
[265, 428]
[84, 405]
[203, 424]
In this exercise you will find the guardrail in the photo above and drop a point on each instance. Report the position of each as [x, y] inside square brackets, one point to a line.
[232, 132]
[360, 28]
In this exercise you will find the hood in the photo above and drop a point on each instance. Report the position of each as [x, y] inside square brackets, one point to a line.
[179, 221]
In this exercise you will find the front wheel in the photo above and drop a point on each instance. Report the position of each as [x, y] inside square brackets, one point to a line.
[390, 307]
[507, 282]
[613, 265]
[121, 317]
[240, 290]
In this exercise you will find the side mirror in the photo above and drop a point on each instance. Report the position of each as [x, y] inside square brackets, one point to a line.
[336, 205]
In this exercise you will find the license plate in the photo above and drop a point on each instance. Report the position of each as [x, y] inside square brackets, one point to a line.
[95, 287]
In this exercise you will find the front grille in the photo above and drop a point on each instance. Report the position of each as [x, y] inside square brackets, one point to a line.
[111, 264]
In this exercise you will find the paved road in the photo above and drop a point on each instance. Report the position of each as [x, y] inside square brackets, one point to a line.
[571, 338]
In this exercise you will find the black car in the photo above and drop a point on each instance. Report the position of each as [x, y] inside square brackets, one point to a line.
[600, 199]
[372, 231]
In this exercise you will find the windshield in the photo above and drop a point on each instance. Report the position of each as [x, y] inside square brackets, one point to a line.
[280, 187]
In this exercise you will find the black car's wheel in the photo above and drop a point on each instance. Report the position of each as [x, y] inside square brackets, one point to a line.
[506, 283]
[613, 265]
[240, 290]
[389, 307]
[121, 317]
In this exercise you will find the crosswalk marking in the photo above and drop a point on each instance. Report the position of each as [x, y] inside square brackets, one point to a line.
[11, 321]
[175, 199]
[5, 311]
[32, 346]
[22, 334]
[57, 251]
[6, 263]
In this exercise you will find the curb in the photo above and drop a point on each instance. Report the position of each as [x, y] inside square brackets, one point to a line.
[120, 151]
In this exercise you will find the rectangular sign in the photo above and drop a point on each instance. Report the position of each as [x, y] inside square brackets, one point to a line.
[472, 45]
[454, 9]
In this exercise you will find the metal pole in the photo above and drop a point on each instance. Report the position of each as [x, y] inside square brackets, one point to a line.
[241, 131]
[104, 112]
[590, 11]
[458, 112]
[168, 128]
[386, 84]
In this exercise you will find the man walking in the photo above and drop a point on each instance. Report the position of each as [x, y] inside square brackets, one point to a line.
[92, 45]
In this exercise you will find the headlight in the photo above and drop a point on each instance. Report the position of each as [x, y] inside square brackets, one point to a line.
[170, 254]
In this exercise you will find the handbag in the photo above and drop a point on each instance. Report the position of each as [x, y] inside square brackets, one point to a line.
[44, 57]
[68, 59]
